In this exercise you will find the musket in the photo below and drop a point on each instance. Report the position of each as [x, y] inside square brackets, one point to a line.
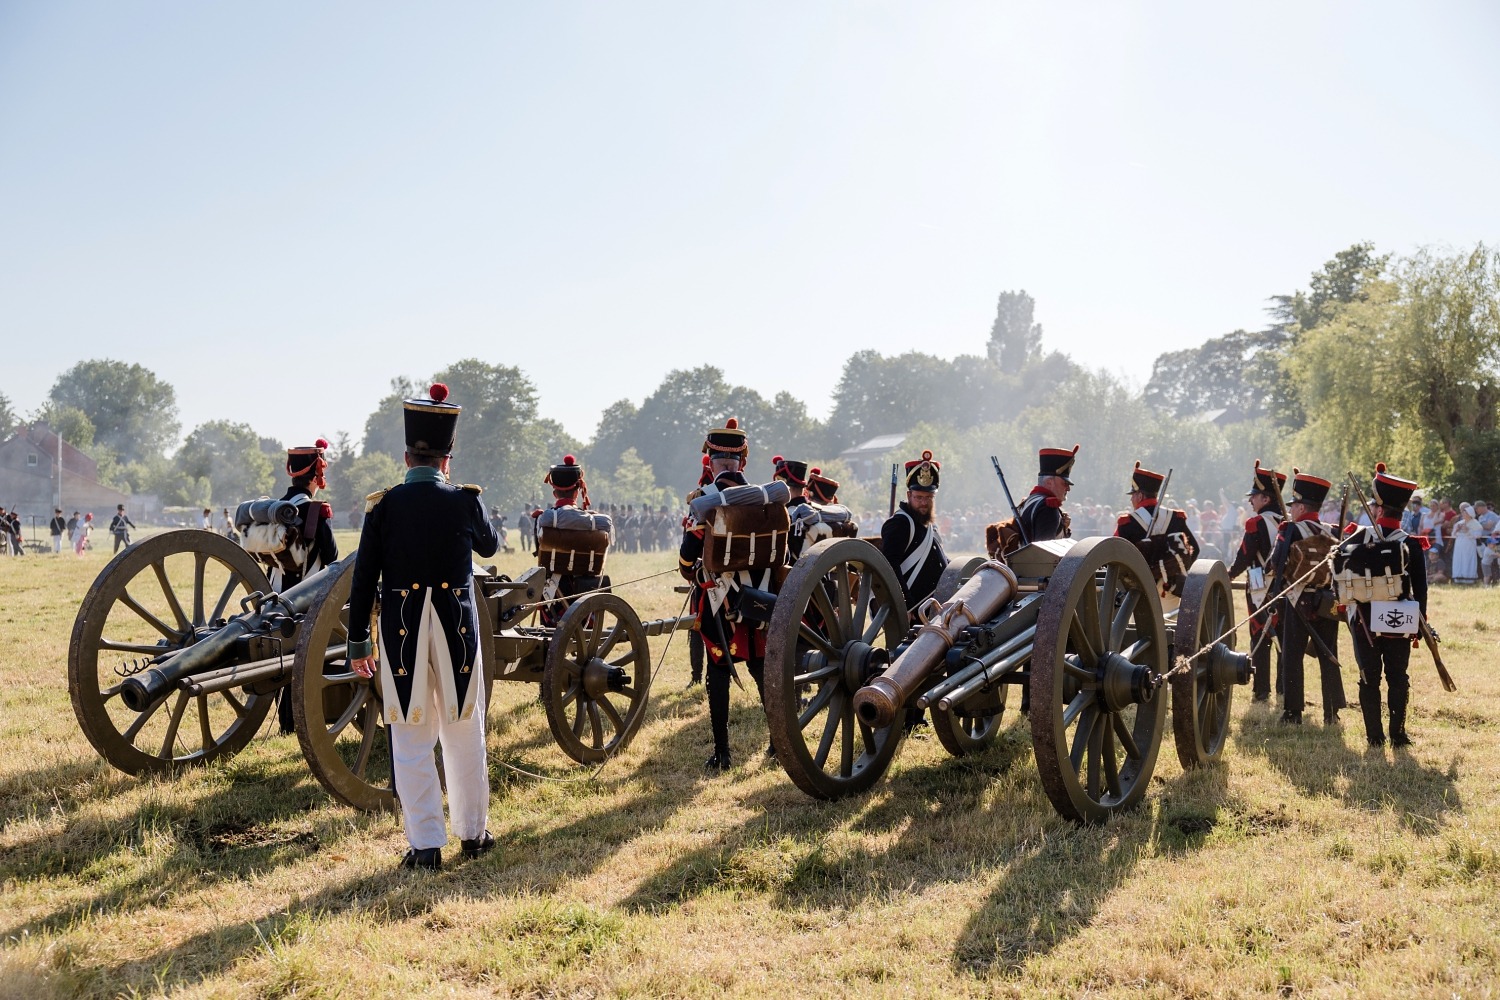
[1010, 500]
[1343, 511]
[1161, 498]
[1428, 635]
[893, 490]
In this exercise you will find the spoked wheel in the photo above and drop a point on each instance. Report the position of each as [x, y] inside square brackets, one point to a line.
[155, 598]
[338, 713]
[1201, 697]
[972, 726]
[1100, 651]
[956, 575]
[597, 678]
[838, 615]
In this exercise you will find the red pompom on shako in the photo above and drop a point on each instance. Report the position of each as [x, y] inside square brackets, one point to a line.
[438, 392]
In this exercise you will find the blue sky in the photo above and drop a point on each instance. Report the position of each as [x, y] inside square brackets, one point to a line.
[278, 207]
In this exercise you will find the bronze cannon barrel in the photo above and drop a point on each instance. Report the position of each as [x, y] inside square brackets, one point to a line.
[140, 691]
[978, 600]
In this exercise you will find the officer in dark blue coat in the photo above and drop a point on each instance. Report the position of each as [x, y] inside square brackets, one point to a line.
[415, 549]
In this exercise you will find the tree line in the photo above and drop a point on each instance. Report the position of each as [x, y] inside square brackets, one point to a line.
[1379, 358]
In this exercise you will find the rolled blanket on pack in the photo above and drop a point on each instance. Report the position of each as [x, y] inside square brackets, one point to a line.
[266, 511]
[813, 513]
[739, 496]
[574, 519]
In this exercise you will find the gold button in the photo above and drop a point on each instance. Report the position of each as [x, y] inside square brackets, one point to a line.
[403, 593]
[416, 586]
[402, 632]
[462, 629]
[445, 586]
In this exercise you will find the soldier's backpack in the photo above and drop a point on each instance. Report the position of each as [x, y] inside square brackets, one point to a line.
[1309, 551]
[1366, 569]
[1002, 538]
[745, 537]
[572, 541]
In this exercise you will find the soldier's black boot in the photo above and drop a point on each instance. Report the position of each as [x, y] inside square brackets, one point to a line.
[1398, 720]
[718, 716]
[1369, 707]
[695, 656]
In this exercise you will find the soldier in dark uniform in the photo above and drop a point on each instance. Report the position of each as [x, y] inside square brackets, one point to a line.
[1041, 517]
[726, 635]
[1305, 604]
[418, 544]
[909, 539]
[1373, 650]
[568, 490]
[313, 547]
[794, 474]
[1254, 556]
[1163, 537]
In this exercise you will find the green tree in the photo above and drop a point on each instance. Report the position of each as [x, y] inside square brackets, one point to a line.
[1227, 372]
[229, 456]
[385, 430]
[369, 473]
[1015, 338]
[631, 482]
[133, 412]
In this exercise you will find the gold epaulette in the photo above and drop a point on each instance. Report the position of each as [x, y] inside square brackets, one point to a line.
[693, 495]
[471, 488]
[371, 499]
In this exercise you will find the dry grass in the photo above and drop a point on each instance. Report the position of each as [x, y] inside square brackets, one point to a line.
[1307, 865]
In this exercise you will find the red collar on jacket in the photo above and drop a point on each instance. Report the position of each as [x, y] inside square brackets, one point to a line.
[1389, 523]
[1310, 516]
[1050, 499]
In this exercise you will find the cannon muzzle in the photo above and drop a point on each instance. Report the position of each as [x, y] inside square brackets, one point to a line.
[979, 599]
[265, 615]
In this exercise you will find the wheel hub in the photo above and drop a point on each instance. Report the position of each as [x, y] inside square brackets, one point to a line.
[599, 678]
[1227, 668]
[863, 661]
[1124, 683]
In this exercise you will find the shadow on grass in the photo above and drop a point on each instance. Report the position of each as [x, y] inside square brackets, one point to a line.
[1319, 763]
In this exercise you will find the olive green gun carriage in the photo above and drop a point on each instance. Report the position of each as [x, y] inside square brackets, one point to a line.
[1084, 626]
[180, 648]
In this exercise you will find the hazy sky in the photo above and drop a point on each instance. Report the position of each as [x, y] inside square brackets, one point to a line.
[277, 207]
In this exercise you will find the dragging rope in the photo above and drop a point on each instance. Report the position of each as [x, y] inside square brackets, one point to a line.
[1185, 663]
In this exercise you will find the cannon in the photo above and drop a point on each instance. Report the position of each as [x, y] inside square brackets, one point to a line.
[180, 647]
[1082, 622]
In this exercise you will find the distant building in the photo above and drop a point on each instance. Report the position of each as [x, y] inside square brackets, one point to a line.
[867, 461]
[29, 479]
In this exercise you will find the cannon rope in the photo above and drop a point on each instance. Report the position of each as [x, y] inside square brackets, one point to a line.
[593, 775]
[1185, 663]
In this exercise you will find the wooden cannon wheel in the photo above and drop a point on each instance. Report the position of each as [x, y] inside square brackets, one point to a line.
[597, 678]
[1096, 719]
[1200, 699]
[338, 713]
[837, 617]
[956, 575]
[157, 596]
[973, 725]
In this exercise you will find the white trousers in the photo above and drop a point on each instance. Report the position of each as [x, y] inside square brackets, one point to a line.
[464, 766]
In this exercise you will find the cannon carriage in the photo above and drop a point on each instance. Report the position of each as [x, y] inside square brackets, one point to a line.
[1081, 622]
[180, 647]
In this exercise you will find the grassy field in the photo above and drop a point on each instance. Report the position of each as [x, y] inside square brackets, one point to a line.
[1307, 865]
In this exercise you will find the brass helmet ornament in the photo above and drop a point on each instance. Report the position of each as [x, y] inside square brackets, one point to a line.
[922, 476]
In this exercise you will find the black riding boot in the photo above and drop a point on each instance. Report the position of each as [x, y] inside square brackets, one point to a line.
[1369, 707]
[1398, 719]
